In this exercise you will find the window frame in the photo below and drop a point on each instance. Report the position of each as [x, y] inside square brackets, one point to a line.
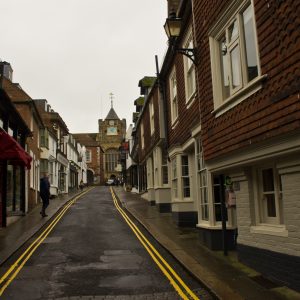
[185, 177]
[151, 115]
[262, 205]
[88, 156]
[174, 177]
[219, 30]
[173, 96]
[189, 69]
[142, 136]
[202, 173]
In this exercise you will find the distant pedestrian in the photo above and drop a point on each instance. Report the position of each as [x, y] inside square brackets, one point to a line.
[81, 185]
[44, 193]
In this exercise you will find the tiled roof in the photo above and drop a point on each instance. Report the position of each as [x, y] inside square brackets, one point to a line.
[86, 139]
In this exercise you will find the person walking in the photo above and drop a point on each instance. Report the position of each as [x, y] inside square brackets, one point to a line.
[81, 185]
[44, 193]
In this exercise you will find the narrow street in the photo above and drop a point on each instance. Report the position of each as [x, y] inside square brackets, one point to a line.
[92, 252]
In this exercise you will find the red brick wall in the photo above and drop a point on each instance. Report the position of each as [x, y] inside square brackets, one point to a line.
[275, 109]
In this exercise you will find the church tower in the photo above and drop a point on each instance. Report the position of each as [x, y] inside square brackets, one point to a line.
[111, 134]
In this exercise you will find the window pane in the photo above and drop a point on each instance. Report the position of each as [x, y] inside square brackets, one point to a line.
[268, 180]
[205, 212]
[186, 187]
[225, 68]
[218, 213]
[165, 179]
[233, 31]
[271, 207]
[235, 67]
[250, 43]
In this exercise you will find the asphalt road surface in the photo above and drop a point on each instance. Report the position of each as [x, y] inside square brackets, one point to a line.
[93, 253]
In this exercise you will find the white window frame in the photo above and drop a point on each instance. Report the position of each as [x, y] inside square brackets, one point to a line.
[173, 96]
[32, 171]
[189, 70]
[150, 173]
[151, 113]
[220, 29]
[164, 167]
[185, 177]
[88, 155]
[142, 136]
[174, 178]
[262, 205]
[202, 182]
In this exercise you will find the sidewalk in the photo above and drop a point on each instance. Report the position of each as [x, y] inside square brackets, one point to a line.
[16, 234]
[224, 276]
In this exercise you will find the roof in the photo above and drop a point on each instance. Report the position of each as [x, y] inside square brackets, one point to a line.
[139, 101]
[147, 81]
[112, 115]
[14, 91]
[86, 139]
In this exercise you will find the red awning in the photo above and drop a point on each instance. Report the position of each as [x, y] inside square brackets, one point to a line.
[11, 150]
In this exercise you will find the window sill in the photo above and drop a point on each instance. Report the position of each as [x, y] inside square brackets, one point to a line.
[277, 230]
[240, 96]
[213, 227]
[182, 201]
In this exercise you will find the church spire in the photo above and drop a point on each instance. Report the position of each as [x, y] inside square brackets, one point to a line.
[111, 96]
[112, 114]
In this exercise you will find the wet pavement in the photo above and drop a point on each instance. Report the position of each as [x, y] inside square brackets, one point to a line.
[92, 253]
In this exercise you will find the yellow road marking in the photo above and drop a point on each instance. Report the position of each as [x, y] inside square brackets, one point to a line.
[17, 266]
[152, 251]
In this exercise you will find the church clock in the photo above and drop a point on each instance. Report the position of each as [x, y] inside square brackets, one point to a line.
[112, 130]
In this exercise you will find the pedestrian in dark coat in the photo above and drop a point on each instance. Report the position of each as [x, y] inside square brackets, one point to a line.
[44, 193]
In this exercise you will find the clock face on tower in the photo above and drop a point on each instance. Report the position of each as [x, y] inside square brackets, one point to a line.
[112, 130]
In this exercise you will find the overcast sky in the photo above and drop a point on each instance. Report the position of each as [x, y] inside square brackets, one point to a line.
[74, 53]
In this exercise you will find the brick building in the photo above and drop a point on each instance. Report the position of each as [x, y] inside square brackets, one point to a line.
[13, 160]
[233, 128]
[28, 110]
[94, 157]
[249, 79]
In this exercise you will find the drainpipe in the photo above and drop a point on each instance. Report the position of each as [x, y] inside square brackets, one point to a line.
[163, 102]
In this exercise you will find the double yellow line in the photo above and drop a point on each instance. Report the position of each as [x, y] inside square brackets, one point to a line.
[181, 288]
[14, 270]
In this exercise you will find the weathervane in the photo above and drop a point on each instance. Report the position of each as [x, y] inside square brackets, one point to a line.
[111, 96]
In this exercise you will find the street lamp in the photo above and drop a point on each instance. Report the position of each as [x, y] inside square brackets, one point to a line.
[173, 28]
